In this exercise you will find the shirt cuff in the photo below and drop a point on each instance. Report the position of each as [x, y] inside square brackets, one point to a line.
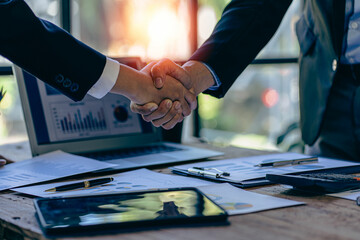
[217, 80]
[107, 79]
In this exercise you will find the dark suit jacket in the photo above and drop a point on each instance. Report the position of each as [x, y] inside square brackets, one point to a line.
[247, 25]
[47, 51]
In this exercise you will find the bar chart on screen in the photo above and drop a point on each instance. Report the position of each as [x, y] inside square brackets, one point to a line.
[80, 123]
[92, 118]
[82, 119]
[89, 118]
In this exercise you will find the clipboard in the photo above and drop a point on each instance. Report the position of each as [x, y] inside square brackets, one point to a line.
[240, 184]
[244, 172]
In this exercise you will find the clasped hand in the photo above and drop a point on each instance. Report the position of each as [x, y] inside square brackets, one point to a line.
[172, 98]
[174, 94]
[138, 86]
[167, 76]
[194, 76]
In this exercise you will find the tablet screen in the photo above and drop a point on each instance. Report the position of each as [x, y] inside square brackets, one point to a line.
[128, 208]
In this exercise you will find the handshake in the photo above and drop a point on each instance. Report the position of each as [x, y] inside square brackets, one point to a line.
[164, 92]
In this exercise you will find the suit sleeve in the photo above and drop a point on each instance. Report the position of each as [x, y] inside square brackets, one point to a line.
[243, 30]
[47, 51]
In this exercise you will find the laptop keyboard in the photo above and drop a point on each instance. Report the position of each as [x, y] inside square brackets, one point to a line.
[129, 152]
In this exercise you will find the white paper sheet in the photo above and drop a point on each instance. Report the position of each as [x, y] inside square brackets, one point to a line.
[238, 201]
[46, 167]
[232, 199]
[351, 195]
[140, 179]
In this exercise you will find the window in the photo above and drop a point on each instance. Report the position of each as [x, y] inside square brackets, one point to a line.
[263, 102]
[46, 9]
[147, 29]
[12, 126]
[259, 107]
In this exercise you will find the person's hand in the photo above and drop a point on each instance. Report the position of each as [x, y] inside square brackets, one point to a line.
[171, 88]
[4, 161]
[193, 75]
[167, 67]
[138, 87]
[169, 112]
[167, 109]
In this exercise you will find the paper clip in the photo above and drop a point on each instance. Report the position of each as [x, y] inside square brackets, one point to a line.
[208, 172]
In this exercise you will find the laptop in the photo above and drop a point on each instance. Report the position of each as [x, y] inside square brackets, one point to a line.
[103, 129]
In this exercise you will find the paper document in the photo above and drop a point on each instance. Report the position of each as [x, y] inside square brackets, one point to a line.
[140, 179]
[244, 169]
[351, 194]
[232, 199]
[46, 167]
[238, 201]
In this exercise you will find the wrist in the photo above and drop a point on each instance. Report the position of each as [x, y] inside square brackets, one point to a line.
[200, 75]
[130, 83]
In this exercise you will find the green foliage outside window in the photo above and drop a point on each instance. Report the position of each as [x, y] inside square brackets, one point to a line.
[217, 5]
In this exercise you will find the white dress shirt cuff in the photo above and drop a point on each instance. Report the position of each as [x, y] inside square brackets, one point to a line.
[107, 79]
[217, 80]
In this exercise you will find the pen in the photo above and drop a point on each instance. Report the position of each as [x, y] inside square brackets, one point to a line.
[205, 172]
[288, 162]
[84, 184]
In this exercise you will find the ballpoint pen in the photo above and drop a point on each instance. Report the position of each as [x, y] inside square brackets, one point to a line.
[288, 162]
[83, 184]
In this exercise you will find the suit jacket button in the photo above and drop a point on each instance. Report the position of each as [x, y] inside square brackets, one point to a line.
[74, 87]
[67, 83]
[59, 78]
[334, 65]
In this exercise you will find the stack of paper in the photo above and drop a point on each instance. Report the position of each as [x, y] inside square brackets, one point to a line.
[46, 167]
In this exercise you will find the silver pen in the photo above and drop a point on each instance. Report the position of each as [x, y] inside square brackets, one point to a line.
[288, 162]
[203, 172]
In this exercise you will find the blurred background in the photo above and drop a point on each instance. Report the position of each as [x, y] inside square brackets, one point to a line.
[260, 111]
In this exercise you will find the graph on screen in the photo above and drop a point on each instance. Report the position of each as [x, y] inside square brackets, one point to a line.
[79, 119]
[79, 123]
[67, 120]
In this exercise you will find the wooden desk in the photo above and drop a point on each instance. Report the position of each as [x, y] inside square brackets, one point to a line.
[322, 218]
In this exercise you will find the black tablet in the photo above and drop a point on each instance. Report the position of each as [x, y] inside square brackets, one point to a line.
[124, 211]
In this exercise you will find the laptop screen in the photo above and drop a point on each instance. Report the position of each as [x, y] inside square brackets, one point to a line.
[55, 122]
[58, 119]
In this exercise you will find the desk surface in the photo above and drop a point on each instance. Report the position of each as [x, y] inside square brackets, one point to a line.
[322, 217]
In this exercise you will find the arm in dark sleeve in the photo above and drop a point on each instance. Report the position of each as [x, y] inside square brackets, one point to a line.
[47, 51]
[243, 30]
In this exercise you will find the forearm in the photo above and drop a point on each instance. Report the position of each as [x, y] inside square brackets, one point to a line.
[131, 84]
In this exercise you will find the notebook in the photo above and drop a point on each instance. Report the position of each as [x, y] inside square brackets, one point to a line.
[104, 129]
